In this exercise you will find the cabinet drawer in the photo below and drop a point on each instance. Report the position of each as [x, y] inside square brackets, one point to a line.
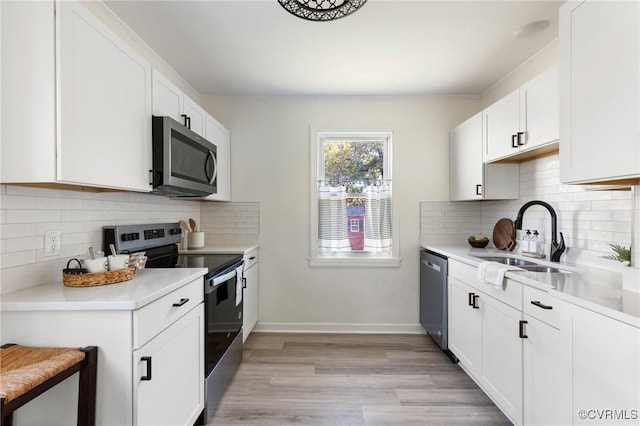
[543, 306]
[511, 295]
[250, 259]
[150, 320]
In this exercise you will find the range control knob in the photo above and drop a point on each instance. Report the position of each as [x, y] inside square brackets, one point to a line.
[125, 237]
[175, 231]
[136, 235]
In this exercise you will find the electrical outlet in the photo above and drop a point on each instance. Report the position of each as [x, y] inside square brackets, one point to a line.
[51, 243]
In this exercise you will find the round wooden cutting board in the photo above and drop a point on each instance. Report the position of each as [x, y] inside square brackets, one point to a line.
[504, 234]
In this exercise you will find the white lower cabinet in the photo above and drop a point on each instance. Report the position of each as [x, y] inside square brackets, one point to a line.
[501, 372]
[465, 326]
[546, 359]
[168, 330]
[606, 370]
[483, 334]
[542, 360]
[171, 361]
[251, 293]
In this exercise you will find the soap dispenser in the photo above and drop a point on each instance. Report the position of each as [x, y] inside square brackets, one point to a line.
[526, 242]
[535, 244]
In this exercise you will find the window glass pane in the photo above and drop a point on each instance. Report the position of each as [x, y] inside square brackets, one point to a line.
[353, 163]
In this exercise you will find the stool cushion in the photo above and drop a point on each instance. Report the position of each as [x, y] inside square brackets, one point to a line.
[22, 367]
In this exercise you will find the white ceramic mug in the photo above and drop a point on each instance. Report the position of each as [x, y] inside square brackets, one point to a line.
[96, 265]
[120, 261]
[196, 240]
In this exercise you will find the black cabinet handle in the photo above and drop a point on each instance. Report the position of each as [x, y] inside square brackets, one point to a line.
[244, 282]
[252, 257]
[181, 302]
[188, 122]
[522, 331]
[520, 138]
[471, 296]
[147, 376]
[184, 118]
[541, 305]
[514, 142]
[479, 189]
[475, 299]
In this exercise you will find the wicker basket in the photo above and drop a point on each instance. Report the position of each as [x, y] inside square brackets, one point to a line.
[98, 278]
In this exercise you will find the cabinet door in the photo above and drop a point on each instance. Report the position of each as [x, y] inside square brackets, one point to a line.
[464, 326]
[28, 125]
[167, 98]
[196, 116]
[250, 301]
[217, 134]
[502, 356]
[465, 162]
[606, 370]
[173, 362]
[501, 123]
[600, 87]
[547, 374]
[104, 104]
[540, 110]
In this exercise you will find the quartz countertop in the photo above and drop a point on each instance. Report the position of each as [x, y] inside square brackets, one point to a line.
[148, 285]
[596, 289]
[237, 248]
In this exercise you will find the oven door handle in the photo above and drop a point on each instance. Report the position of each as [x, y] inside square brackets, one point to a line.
[223, 278]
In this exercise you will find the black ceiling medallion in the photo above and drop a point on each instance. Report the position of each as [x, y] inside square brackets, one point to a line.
[321, 10]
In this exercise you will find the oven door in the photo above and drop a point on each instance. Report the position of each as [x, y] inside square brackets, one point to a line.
[224, 317]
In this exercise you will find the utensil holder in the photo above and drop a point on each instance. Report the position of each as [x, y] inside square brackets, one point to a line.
[195, 240]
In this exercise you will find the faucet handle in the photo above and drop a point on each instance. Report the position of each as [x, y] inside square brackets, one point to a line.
[561, 245]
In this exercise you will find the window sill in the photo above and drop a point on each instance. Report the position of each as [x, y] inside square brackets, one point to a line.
[354, 261]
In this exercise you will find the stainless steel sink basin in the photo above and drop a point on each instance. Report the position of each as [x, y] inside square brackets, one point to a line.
[544, 269]
[524, 264]
[508, 260]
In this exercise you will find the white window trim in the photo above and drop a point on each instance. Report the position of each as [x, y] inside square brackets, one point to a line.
[351, 259]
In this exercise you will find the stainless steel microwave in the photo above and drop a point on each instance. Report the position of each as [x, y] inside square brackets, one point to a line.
[184, 163]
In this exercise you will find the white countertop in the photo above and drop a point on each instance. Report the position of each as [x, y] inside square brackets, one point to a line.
[147, 286]
[222, 249]
[595, 289]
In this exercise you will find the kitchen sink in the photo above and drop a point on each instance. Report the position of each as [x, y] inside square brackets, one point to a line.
[544, 269]
[524, 264]
[507, 260]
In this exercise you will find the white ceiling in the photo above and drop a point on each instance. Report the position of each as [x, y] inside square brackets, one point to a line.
[389, 47]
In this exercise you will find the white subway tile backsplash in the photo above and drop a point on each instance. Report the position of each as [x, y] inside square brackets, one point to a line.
[590, 220]
[26, 213]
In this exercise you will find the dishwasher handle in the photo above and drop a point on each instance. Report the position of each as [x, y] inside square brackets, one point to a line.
[433, 266]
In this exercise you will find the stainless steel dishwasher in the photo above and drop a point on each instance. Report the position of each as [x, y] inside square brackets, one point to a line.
[433, 298]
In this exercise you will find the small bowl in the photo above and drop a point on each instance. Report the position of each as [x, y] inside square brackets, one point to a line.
[475, 243]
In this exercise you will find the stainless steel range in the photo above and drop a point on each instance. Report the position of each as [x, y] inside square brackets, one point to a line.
[222, 296]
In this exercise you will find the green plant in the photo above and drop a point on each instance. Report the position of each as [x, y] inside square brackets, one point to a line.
[620, 253]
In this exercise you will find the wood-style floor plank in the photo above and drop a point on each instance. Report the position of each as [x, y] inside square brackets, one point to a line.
[346, 379]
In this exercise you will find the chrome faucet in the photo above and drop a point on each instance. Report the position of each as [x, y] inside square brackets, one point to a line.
[556, 248]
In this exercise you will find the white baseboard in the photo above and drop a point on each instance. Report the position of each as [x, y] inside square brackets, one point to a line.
[273, 327]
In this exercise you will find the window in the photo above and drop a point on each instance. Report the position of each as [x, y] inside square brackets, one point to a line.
[352, 219]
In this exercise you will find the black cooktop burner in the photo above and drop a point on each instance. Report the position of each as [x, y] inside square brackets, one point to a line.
[216, 263]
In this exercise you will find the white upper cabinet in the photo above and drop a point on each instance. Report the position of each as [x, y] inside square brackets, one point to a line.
[76, 100]
[540, 110]
[600, 91]
[502, 123]
[169, 100]
[470, 178]
[524, 120]
[217, 134]
[104, 104]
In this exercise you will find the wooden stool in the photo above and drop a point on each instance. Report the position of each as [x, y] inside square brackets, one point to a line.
[26, 372]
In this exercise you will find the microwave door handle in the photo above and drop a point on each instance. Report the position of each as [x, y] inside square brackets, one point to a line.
[215, 168]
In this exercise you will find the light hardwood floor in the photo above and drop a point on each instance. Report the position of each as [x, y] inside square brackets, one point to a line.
[351, 379]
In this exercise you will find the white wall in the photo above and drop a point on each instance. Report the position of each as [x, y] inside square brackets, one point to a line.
[270, 165]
